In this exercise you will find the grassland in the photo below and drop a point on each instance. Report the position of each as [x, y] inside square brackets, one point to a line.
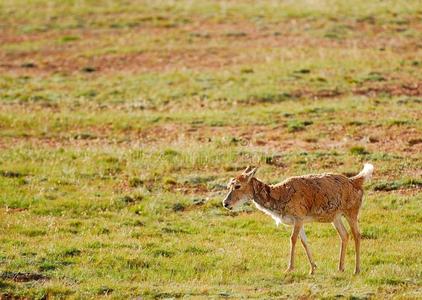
[121, 122]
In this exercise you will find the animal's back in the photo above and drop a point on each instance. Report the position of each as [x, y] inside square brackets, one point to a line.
[322, 196]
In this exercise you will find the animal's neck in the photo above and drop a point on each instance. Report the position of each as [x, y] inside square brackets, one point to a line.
[262, 194]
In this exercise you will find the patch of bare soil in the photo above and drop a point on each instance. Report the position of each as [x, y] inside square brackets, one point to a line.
[316, 94]
[407, 88]
[14, 210]
[23, 277]
[11, 37]
[197, 45]
[398, 89]
[10, 296]
[56, 61]
[397, 139]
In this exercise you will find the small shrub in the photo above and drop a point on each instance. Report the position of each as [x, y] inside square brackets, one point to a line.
[169, 181]
[103, 231]
[11, 174]
[136, 263]
[375, 76]
[355, 123]
[88, 69]
[270, 97]
[310, 140]
[170, 152]
[369, 235]
[128, 200]
[295, 125]
[178, 207]
[358, 150]
[398, 122]
[71, 252]
[162, 253]
[199, 179]
[275, 160]
[84, 136]
[34, 232]
[236, 34]
[22, 277]
[246, 70]
[28, 65]
[302, 71]
[69, 38]
[200, 201]
[136, 182]
[413, 142]
[196, 250]
[396, 185]
[104, 290]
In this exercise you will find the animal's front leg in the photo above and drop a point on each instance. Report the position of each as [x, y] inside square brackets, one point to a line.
[293, 239]
[308, 251]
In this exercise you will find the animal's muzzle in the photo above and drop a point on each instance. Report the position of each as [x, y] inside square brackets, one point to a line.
[226, 200]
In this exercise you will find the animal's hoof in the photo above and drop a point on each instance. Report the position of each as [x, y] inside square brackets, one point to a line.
[312, 270]
[289, 269]
[357, 271]
[341, 269]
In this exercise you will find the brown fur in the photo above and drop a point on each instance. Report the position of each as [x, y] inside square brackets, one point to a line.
[317, 196]
[321, 198]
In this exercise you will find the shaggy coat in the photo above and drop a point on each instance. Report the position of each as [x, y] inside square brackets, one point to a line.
[316, 197]
[297, 200]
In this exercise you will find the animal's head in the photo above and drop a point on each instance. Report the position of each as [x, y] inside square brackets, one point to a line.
[240, 189]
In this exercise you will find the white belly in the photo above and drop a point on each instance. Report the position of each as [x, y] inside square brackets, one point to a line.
[286, 219]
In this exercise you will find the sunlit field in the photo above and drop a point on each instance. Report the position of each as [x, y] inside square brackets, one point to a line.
[121, 123]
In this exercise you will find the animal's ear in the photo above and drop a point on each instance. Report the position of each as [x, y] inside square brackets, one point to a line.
[230, 182]
[248, 169]
[251, 173]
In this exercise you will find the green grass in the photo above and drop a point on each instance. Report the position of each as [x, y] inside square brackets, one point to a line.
[121, 123]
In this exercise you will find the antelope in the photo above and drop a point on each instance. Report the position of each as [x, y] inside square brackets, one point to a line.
[297, 200]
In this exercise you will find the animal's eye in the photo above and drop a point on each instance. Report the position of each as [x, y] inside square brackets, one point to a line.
[237, 186]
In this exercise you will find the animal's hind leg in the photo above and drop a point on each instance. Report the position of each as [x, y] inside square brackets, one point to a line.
[353, 222]
[304, 241]
[338, 224]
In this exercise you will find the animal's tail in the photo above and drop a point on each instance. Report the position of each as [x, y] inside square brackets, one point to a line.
[363, 175]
